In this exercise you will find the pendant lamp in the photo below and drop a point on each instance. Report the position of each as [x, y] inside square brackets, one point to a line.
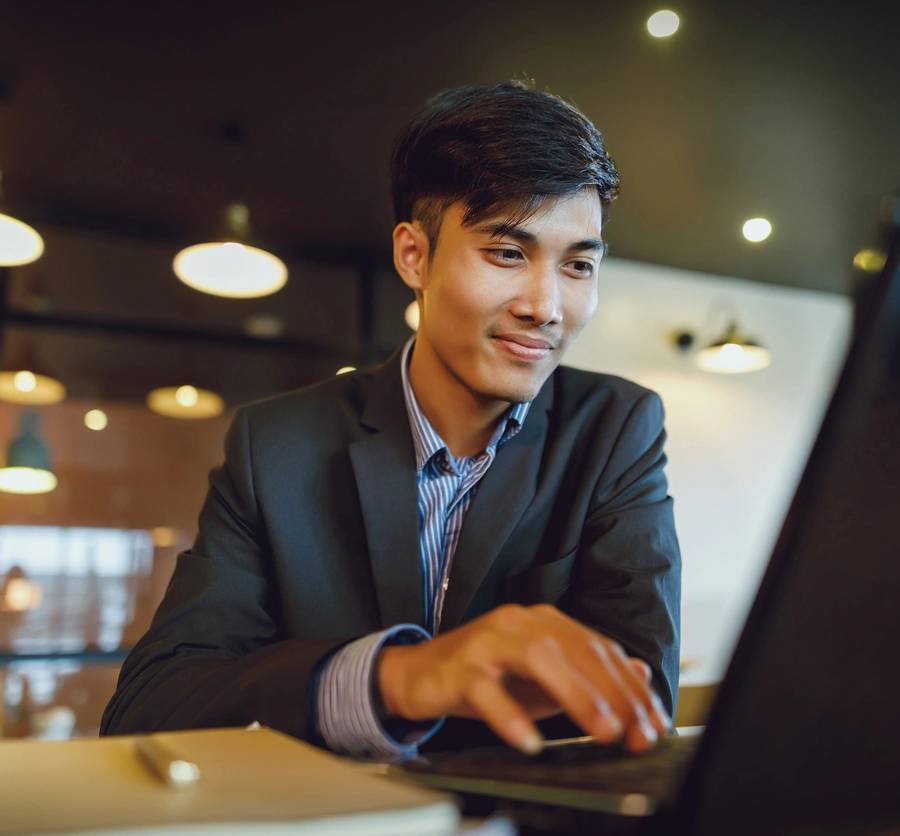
[27, 469]
[19, 242]
[232, 266]
[185, 401]
[25, 384]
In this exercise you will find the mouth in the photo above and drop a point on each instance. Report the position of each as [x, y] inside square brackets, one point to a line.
[523, 348]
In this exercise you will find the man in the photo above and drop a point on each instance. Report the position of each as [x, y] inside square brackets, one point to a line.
[466, 531]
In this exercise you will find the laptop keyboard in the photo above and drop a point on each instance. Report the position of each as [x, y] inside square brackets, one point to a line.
[579, 766]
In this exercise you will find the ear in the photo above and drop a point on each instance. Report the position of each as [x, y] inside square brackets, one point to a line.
[411, 254]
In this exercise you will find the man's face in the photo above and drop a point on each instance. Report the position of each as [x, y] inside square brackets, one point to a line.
[486, 298]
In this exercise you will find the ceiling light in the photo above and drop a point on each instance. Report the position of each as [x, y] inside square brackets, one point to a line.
[25, 387]
[733, 353]
[24, 382]
[870, 261]
[412, 315]
[346, 369]
[95, 419]
[663, 23]
[187, 396]
[756, 229]
[27, 480]
[19, 242]
[231, 267]
[27, 469]
[185, 402]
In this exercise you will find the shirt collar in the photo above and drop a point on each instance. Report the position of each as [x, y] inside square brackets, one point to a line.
[426, 440]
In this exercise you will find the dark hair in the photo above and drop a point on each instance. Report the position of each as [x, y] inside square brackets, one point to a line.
[504, 147]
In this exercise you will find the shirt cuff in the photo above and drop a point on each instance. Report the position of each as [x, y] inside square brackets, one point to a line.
[348, 719]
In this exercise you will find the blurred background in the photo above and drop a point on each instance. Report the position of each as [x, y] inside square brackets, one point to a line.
[755, 144]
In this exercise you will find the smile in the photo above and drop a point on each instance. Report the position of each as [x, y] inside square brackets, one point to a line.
[521, 352]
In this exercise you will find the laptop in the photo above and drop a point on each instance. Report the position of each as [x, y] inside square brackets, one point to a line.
[804, 734]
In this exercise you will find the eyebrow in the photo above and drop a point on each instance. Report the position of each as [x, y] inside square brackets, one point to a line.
[499, 229]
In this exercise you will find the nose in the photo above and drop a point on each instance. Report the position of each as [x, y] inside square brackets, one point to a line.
[538, 299]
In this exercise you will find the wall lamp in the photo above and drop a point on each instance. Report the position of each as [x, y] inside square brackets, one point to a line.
[731, 352]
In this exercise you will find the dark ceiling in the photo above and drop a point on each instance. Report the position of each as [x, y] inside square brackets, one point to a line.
[125, 128]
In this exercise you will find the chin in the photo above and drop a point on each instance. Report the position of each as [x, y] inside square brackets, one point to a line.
[514, 391]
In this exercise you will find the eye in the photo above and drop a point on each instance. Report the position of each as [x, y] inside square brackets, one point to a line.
[506, 254]
[585, 268]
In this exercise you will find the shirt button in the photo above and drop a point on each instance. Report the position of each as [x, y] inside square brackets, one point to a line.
[445, 583]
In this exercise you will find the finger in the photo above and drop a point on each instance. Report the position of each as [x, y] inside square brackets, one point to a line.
[631, 693]
[640, 685]
[602, 660]
[641, 733]
[490, 702]
[644, 671]
[541, 659]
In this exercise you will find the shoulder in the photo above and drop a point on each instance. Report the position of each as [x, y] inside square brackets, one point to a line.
[579, 391]
[319, 409]
[605, 411]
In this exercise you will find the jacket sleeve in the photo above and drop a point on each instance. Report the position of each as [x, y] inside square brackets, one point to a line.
[627, 575]
[213, 655]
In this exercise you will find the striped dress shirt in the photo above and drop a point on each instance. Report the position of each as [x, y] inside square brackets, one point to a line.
[445, 487]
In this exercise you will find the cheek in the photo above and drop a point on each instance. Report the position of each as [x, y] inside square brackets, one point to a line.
[465, 302]
[579, 307]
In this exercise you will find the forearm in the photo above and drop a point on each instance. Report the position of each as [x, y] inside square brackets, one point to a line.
[628, 587]
[171, 688]
[627, 578]
[352, 717]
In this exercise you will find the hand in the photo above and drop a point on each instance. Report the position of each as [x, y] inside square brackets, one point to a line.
[518, 664]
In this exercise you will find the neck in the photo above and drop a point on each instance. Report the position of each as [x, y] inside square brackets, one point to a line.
[463, 419]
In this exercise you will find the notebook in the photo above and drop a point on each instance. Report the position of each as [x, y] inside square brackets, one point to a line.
[250, 782]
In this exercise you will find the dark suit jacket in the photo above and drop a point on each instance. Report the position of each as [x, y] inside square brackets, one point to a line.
[308, 539]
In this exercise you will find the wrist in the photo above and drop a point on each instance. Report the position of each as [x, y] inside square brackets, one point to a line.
[390, 678]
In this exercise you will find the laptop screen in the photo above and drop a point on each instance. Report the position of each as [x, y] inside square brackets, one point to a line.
[805, 735]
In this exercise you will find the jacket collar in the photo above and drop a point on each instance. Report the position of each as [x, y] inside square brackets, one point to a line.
[384, 464]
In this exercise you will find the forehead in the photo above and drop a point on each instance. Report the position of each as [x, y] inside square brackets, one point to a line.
[579, 214]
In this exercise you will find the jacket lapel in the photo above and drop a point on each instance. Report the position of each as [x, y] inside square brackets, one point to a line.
[503, 495]
[385, 468]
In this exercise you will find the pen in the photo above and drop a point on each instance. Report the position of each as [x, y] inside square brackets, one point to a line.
[165, 764]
